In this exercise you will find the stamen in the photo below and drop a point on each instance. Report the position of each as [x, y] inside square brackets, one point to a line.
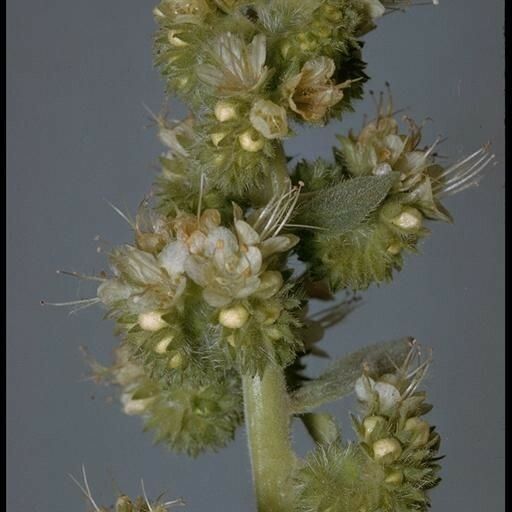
[463, 174]
[86, 491]
[123, 215]
[306, 226]
[276, 211]
[200, 202]
[290, 208]
[145, 496]
[81, 276]
[80, 304]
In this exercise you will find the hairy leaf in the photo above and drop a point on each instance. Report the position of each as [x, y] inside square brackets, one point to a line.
[343, 207]
[339, 378]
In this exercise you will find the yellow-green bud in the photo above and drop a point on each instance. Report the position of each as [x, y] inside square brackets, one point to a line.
[225, 111]
[217, 137]
[124, 504]
[151, 321]
[272, 313]
[274, 334]
[372, 424]
[176, 361]
[285, 48]
[133, 407]
[175, 40]
[386, 450]
[251, 141]
[234, 317]
[395, 478]
[409, 220]
[162, 345]
[394, 249]
[420, 429]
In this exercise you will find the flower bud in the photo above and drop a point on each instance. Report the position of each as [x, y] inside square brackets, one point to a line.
[251, 141]
[217, 137]
[134, 407]
[386, 450]
[224, 111]
[151, 321]
[395, 478]
[373, 424]
[173, 38]
[162, 345]
[394, 249]
[420, 430]
[274, 334]
[123, 504]
[272, 313]
[269, 119]
[409, 220]
[176, 361]
[271, 282]
[234, 317]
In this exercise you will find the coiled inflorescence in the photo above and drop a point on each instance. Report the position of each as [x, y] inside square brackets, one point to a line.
[394, 463]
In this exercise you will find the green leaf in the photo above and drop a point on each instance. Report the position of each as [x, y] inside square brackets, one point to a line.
[346, 205]
[339, 378]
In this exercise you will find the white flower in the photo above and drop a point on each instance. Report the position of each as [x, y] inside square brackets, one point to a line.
[238, 67]
[269, 119]
[311, 92]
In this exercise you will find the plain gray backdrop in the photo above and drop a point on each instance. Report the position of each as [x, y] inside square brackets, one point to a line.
[78, 76]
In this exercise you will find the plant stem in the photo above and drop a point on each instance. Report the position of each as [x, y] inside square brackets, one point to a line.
[267, 419]
[280, 177]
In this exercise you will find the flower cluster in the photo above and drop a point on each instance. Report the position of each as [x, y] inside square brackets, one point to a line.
[394, 463]
[370, 251]
[186, 415]
[191, 285]
[397, 438]
[124, 503]
[248, 70]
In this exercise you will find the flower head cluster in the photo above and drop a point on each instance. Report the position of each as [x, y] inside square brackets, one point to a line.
[395, 435]
[124, 503]
[369, 251]
[392, 466]
[192, 286]
[238, 67]
[186, 415]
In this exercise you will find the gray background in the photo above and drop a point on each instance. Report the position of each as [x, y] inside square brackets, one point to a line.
[78, 74]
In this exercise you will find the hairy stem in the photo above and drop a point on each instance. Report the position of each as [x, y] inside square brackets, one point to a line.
[280, 177]
[267, 420]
